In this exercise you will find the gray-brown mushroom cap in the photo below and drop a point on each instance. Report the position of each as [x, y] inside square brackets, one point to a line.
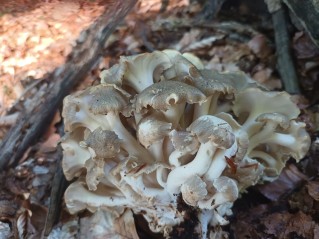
[105, 143]
[191, 75]
[193, 190]
[162, 95]
[232, 80]
[210, 128]
[208, 85]
[107, 98]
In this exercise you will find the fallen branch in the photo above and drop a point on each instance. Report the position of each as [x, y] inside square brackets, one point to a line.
[285, 62]
[8, 120]
[83, 57]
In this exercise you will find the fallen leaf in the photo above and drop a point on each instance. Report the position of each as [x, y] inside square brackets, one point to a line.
[259, 46]
[289, 179]
[313, 189]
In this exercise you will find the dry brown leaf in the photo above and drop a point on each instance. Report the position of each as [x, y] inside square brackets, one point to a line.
[50, 144]
[263, 75]
[8, 209]
[188, 38]
[259, 46]
[25, 229]
[313, 189]
[203, 43]
[304, 46]
[285, 225]
[289, 179]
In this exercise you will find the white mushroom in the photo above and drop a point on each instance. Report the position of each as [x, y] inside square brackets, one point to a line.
[139, 71]
[170, 97]
[213, 133]
[161, 131]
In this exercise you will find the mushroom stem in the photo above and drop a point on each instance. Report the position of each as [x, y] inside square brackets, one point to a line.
[202, 109]
[261, 136]
[174, 113]
[268, 159]
[208, 107]
[156, 150]
[198, 166]
[285, 140]
[130, 144]
[205, 216]
[175, 156]
[214, 104]
[217, 166]
[160, 175]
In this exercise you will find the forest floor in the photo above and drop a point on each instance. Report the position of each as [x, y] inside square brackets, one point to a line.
[37, 35]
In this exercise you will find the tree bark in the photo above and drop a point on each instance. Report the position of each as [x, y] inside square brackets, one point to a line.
[89, 46]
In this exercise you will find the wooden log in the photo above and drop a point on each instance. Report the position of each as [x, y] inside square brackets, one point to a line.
[89, 46]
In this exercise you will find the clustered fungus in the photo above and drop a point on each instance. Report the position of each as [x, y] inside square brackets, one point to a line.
[160, 128]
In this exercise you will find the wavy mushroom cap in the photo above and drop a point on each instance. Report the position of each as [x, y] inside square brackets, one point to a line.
[104, 143]
[164, 94]
[105, 98]
[152, 129]
[210, 128]
[138, 71]
[193, 190]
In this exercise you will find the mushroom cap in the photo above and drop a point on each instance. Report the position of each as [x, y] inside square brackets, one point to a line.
[78, 198]
[184, 141]
[277, 118]
[194, 60]
[193, 190]
[236, 81]
[137, 70]
[113, 75]
[181, 65]
[303, 141]
[210, 128]
[74, 156]
[208, 84]
[151, 129]
[84, 108]
[227, 190]
[105, 98]
[94, 172]
[105, 143]
[188, 69]
[268, 102]
[162, 95]
[75, 113]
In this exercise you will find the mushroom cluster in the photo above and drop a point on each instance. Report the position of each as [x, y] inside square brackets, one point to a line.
[160, 129]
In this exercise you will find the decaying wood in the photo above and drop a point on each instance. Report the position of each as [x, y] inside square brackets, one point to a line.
[285, 62]
[59, 184]
[84, 56]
